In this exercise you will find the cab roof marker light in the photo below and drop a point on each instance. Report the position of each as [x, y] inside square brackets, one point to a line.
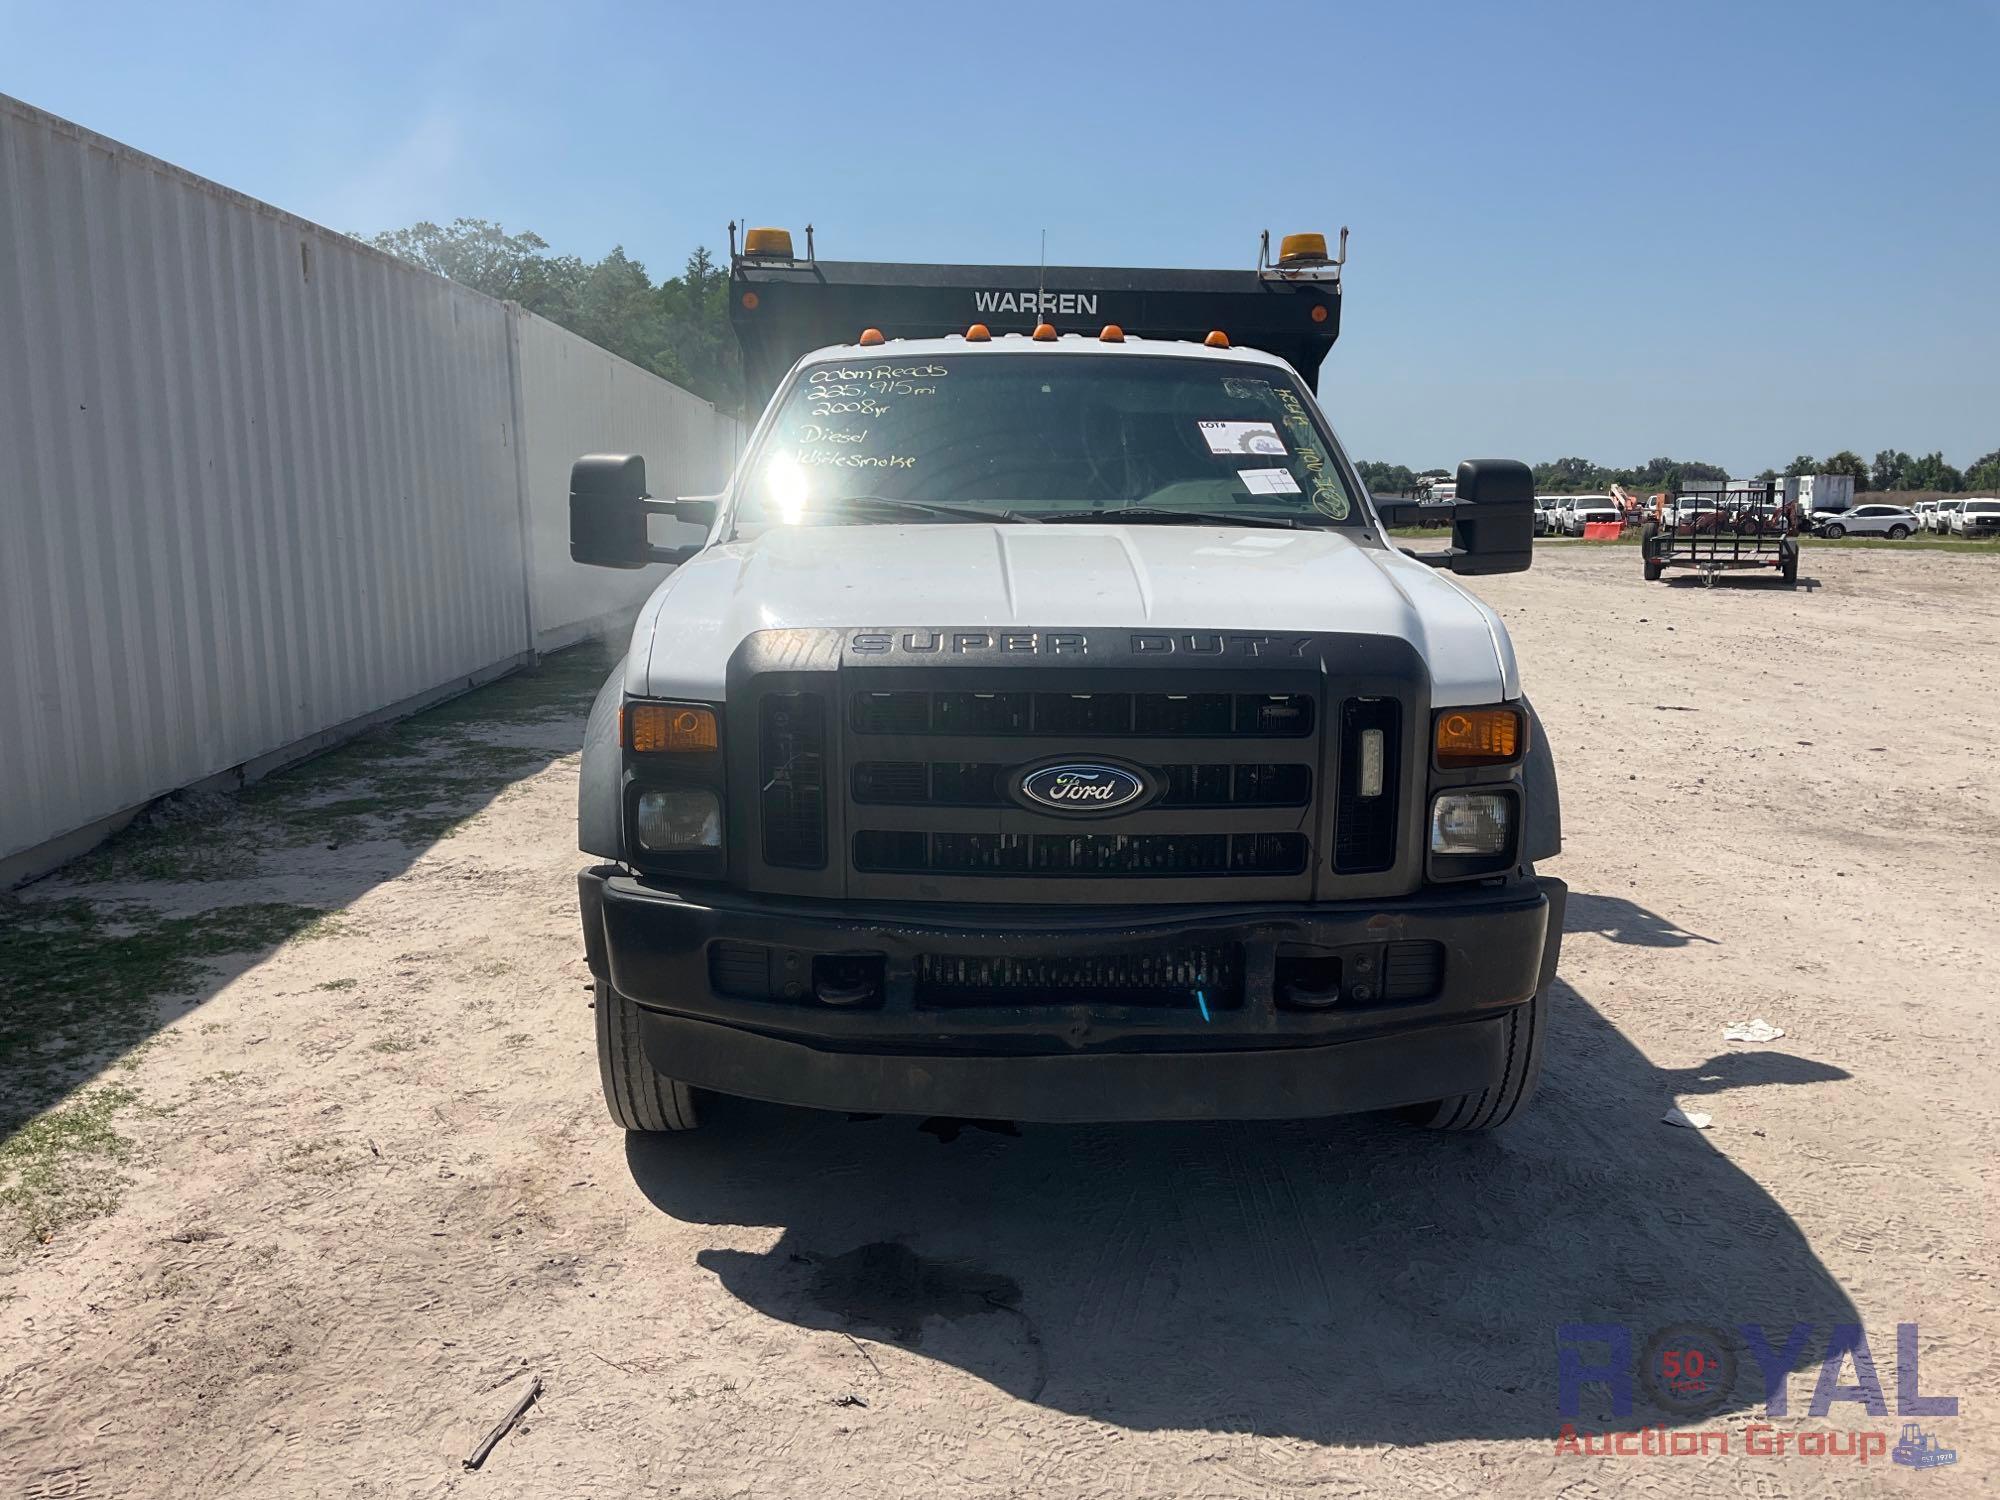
[1111, 334]
[978, 333]
[1045, 333]
[870, 337]
[1217, 339]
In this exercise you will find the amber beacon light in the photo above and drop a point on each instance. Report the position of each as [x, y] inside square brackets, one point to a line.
[776, 243]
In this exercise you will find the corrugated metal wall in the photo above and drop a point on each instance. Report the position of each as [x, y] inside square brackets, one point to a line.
[258, 480]
[578, 398]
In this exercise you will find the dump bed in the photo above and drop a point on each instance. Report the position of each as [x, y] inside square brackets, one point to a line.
[783, 307]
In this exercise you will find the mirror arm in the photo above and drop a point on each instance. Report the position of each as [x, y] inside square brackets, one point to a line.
[672, 555]
[1431, 559]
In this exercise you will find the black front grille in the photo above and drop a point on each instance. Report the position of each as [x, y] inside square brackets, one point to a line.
[1365, 826]
[1159, 715]
[1179, 978]
[792, 771]
[915, 783]
[1060, 854]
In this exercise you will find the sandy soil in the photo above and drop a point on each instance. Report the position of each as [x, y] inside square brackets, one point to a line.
[368, 1189]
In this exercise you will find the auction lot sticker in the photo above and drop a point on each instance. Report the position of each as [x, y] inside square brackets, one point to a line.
[1259, 439]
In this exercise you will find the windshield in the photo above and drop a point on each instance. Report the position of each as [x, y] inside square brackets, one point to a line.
[1034, 434]
[1983, 507]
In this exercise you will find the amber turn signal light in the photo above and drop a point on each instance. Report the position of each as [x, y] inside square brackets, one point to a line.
[653, 728]
[1468, 737]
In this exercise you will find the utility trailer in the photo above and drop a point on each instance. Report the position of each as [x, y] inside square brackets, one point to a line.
[1716, 530]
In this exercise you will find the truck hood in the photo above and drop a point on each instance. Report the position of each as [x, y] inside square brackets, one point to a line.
[1155, 578]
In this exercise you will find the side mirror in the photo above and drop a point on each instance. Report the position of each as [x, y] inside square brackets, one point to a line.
[1493, 524]
[608, 507]
[1493, 528]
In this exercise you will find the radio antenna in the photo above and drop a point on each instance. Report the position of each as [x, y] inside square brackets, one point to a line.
[1042, 279]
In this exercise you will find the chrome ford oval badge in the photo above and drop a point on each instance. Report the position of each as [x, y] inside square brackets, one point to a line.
[1082, 787]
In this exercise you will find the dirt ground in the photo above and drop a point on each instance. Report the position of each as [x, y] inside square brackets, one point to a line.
[307, 1174]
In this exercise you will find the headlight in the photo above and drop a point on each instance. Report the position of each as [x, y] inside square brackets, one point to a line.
[1478, 825]
[679, 818]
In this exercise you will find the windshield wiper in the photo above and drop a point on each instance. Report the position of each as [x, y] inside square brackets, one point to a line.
[929, 508]
[1116, 515]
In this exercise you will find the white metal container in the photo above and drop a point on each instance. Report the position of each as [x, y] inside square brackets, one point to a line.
[259, 481]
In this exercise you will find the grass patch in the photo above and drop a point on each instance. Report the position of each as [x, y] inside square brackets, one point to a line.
[79, 983]
[397, 1041]
[81, 976]
[315, 1159]
[64, 1166]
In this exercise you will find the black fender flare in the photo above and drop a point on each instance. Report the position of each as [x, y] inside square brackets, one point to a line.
[1542, 838]
[600, 784]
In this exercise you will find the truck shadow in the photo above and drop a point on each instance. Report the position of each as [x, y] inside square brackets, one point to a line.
[1344, 1281]
[1626, 922]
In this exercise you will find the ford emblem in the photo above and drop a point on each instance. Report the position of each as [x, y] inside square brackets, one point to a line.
[1081, 788]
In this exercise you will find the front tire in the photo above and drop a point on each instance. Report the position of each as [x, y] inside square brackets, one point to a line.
[1493, 1106]
[1897, 533]
[1835, 531]
[638, 1095]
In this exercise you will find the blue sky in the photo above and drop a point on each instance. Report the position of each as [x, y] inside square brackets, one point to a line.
[1733, 231]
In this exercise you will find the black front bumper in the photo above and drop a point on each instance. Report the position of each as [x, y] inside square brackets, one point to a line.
[1257, 1058]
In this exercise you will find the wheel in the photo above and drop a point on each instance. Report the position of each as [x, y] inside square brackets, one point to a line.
[1898, 532]
[639, 1097]
[1788, 568]
[1490, 1108]
[1650, 559]
[1834, 530]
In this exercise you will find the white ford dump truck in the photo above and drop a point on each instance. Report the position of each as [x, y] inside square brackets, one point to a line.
[1048, 728]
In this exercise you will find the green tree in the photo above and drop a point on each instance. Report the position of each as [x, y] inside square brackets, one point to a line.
[1387, 479]
[678, 329]
[1983, 473]
[1931, 472]
[482, 255]
[1887, 472]
[1804, 464]
[1768, 476]
[1849, 463]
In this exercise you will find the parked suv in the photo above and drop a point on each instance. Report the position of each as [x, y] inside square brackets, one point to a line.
[1869, 520]
[1048, 729]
